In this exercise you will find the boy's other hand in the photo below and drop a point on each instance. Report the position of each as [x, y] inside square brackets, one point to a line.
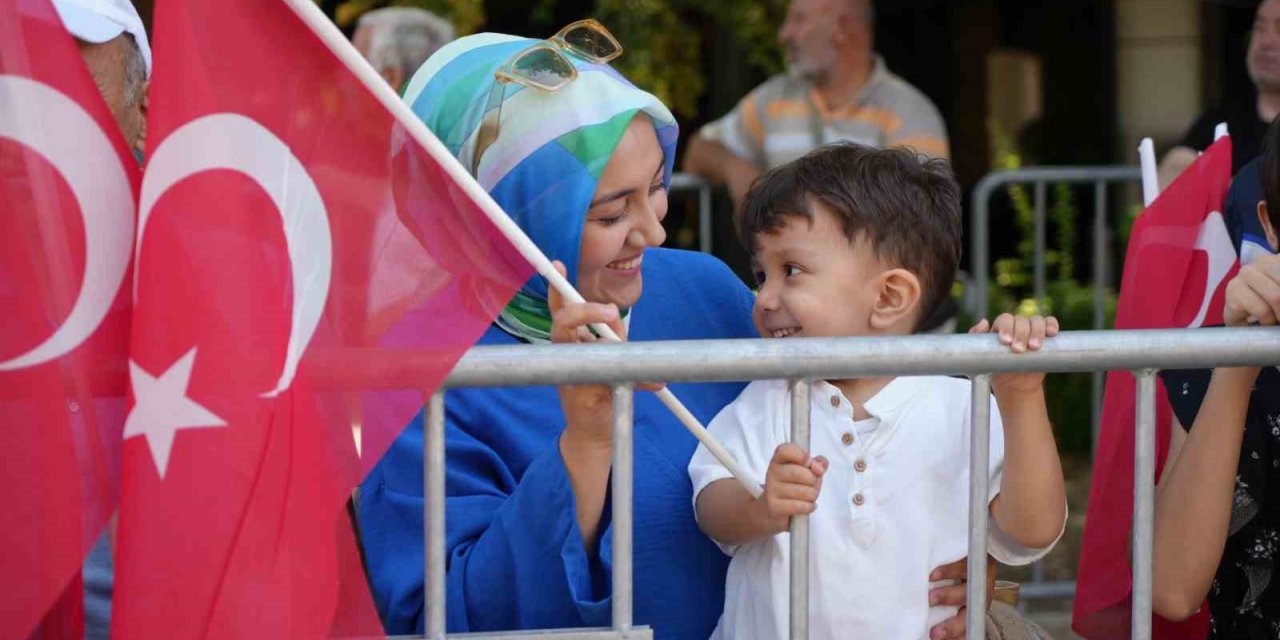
[791, 484]
[1254, 294]
[1020, 334]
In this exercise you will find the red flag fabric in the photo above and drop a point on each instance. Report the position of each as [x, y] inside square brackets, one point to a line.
[285, 219]
[68, 186]
[1179, 259]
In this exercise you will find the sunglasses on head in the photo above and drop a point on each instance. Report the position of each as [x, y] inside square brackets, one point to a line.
[546, 67]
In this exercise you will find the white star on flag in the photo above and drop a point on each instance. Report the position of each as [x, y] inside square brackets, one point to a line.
[161, 408]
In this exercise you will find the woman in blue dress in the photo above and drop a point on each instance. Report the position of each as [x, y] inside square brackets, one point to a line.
[584, 171]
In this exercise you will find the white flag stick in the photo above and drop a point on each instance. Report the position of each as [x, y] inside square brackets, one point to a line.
[313, 17]
[1147, 160]
[1219, 131]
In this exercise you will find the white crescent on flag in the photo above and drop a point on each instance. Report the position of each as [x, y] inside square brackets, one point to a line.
[1215, 241]
[83, 154]
[235, 142]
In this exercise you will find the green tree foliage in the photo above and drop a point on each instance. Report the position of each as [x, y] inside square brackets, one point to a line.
[664, 40]
[466, 15]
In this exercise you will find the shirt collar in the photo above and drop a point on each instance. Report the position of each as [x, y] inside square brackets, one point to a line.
[884, 406]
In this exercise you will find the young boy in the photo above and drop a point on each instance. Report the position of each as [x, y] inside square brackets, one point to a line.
[855, 241]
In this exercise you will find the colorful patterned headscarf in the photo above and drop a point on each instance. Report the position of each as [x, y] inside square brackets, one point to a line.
[550, 150]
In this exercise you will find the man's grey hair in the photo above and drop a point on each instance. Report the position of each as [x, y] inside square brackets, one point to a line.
[135, 73]
[404, 37]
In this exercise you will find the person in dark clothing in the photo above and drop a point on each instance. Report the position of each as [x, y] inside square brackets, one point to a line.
[1217, 517]
[1247, 117]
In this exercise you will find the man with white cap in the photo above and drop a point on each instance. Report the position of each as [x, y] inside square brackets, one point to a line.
[114, 45]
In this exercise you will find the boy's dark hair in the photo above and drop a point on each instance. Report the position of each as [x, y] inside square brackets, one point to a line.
[1269, 172]
[907, 205]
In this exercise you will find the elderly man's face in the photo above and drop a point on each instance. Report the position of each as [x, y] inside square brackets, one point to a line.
[1263, 58]
[807, 35]
[123, 88]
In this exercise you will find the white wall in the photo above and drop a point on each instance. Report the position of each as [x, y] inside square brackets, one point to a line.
[1158, 72]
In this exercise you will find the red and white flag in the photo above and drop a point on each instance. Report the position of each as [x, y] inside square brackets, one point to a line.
[68, 185]
[1179, 261]
[285, 219]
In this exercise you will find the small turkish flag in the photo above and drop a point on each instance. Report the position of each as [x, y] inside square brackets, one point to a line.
[284, 217]
[68, 185]
[1179, 261]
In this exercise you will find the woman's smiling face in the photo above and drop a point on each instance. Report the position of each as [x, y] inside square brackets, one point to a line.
[624, 218]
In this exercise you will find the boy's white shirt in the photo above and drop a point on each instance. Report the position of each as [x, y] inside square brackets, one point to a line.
[869, 563]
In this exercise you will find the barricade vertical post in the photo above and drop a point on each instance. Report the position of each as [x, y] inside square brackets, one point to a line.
[1101, 260]
[800, 392]
[1144, 496]
[1040, 225]
[979, 245]
[433, 474]
[622, 487]
[979, 453]
[704, 217]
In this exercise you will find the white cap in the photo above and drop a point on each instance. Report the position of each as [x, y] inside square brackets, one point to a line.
[101, 20]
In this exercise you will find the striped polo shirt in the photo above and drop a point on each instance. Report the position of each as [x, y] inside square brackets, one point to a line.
[785, 118]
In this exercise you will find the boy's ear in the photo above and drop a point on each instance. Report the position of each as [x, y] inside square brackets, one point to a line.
[897, 299]
[1269, 230]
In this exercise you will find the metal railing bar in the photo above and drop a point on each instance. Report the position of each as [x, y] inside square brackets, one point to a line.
[801, 391]
[980, 223]
[691, 182]
[622, 486]
[811, 358]
[1040, 229]
[1047, 589]
[1101, 278]
[979, 454]
[433, 462]
[704, 219]
[1144, 475]
[636, 633]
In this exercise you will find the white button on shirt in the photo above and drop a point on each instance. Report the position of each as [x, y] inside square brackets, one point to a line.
[893, 506]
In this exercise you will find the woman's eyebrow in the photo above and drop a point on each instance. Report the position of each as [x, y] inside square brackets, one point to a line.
[610, 197]
[619, 194]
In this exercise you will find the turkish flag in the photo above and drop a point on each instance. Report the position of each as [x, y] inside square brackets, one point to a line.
[68, 187]
[1179, 261]
[285, 219]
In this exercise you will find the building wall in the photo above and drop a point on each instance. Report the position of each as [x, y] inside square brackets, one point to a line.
[1158, 72]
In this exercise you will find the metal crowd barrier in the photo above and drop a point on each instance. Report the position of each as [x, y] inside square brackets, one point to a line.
[979, 239]
[691, 182]
[1041, 177]
[801, 360]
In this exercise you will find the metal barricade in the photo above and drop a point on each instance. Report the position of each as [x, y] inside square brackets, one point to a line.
[691, 182]
[979, 241]
[1040, 177]
[805, 359]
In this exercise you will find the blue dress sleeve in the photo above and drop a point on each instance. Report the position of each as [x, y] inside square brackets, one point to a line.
[516, 558]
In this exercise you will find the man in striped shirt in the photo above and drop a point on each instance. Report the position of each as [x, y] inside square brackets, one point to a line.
[836, 88]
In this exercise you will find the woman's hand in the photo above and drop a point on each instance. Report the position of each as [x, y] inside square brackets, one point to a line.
[1254, 294]
[956, 596]
[588, 408]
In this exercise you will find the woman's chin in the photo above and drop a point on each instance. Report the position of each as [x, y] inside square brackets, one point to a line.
[624, 295]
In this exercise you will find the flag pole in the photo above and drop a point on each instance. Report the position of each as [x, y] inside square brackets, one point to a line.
[1150, 183]
[323, 28]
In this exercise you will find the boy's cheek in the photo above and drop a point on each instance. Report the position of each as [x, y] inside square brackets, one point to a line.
[757, 319]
